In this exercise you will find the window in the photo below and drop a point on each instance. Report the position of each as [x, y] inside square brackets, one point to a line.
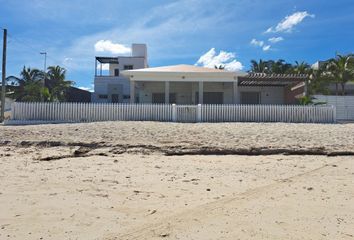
[115, 98]
[160, 98]
[103, 96]
[128, 67]
[211, 97]
[250, 98]
[116, 72]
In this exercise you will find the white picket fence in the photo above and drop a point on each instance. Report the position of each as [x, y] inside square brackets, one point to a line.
[93, 112]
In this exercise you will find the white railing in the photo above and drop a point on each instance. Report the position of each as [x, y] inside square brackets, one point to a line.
[93, 112]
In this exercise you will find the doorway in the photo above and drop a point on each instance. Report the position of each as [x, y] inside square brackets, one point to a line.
[115, 98]
[250, 98]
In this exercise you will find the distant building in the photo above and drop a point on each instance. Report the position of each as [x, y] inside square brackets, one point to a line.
[74, 94]
[109, 85]
[317, 65]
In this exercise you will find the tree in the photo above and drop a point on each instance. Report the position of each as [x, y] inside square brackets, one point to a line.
[341, 70]
[270, 66]
[29, 87]
[259, 67]
[319, 80]
[220, 67]
[279, 66]
[56, 83]
[301, 68]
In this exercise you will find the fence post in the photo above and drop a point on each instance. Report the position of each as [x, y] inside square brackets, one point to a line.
[334, 114]
[174, 113]
[199, 113]
[13, 111]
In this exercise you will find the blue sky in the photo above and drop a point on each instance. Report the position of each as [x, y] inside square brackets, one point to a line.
[228, 31]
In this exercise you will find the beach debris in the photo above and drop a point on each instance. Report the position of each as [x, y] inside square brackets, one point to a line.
[164, 235]
[81, 151]
[153, 212]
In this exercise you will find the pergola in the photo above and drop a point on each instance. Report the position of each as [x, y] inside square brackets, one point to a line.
[104, 60]
[273, 80]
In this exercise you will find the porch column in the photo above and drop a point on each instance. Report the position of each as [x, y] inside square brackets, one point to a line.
[95, 67]
[306, 91]
[167, 92]
[132, 91]
[200, 93]
[235, 93]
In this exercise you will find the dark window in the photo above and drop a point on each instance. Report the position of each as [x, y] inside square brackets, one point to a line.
[116, 72]
[173, 98]
[115, 98]
[128, 67]
[211, 97]
[250, 98]
[160, 98]
[103, 96]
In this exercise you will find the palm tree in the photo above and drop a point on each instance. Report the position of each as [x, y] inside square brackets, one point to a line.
[220, 67]
[301, 68]
[319, 80]
[341, 70]
[270, 66]
[280, 66]
[259, 67]
[29, 87]
[56, 83]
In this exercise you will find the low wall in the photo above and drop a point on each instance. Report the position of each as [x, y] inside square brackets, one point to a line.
[92, 112]
[344, 105]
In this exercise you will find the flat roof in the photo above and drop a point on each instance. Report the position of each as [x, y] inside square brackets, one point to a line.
[182, 68]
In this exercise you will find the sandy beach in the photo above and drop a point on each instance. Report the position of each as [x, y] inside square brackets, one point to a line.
[145, 180]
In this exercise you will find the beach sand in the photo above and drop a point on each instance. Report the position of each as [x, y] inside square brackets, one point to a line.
[123, 180]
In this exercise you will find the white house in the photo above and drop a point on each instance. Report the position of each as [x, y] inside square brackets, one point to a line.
[188, 84]
[109, 84]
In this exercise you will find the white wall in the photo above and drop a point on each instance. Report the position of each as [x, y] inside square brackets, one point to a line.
[269, 95]
[185, 91]
[344, 105]
[108, 85]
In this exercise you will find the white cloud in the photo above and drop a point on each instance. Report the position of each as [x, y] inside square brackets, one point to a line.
[266, 48]
[109, 46]
[257, 43]
[90, 89]
[275, 39]
[156, 28]
[226, 59]
[289, 22]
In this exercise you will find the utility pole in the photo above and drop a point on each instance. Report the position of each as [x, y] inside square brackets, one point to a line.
[3, 87]
[44, 70]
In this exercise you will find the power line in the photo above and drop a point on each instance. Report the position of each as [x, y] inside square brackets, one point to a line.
[23, 42]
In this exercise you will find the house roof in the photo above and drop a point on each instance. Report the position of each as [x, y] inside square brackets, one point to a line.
[182, 68]
[182, 73]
